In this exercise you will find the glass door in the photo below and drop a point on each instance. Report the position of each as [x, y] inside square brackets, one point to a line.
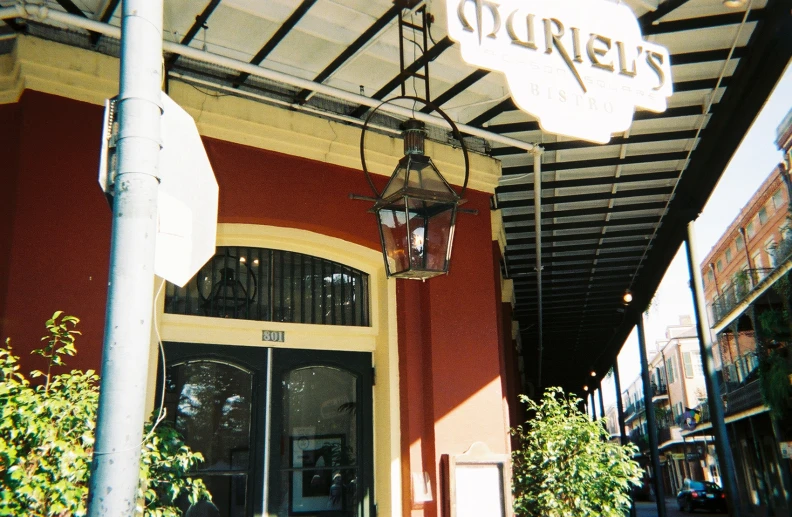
[321, 443]
[298, 422]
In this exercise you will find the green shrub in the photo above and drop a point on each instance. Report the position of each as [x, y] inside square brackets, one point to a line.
[566, 466]
[47, 438]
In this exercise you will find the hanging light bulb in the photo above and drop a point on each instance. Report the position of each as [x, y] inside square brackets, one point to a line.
[628, 297]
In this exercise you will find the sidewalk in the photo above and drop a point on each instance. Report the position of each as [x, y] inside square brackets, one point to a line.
[672, 510]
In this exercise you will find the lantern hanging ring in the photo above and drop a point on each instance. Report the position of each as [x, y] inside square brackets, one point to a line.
[454, 132]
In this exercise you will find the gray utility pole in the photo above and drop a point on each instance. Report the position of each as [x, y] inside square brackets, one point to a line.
[651, 421]
[125, 356]
[722, 447]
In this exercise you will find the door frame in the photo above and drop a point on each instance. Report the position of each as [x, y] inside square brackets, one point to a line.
[380, 339]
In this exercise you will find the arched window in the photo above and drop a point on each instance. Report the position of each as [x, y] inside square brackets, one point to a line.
[273, 285]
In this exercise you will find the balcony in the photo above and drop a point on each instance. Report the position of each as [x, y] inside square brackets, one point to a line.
[736, 291]
[659, 390]
[744, 398]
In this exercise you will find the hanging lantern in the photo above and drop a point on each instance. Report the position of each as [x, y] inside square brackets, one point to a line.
[416, 211]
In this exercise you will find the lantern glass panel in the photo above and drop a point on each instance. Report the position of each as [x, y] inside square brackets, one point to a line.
[417, 171]
[393, 230]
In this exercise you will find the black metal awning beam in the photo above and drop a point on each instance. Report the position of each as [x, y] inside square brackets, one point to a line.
[616, 140]
[593, 196]
[352, 49]
[578, 212]
[429, 55]
[599, 162]
[588, 182]
[703, 22]
[610, 234]
[276, 38]
[200, 22]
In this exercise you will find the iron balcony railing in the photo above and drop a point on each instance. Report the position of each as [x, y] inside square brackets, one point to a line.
[659, 389]
[744, 398]
[736, 291]
[734, 375]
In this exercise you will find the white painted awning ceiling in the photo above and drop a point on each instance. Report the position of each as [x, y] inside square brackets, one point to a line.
[613, 215]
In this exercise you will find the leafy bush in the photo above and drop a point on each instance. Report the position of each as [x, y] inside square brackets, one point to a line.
[566, 465]
[47, 438]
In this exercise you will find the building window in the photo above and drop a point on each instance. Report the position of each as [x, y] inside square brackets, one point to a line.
[739, 242]
[688, 364]
[762, 215]
[710, 276]
[750, 230]
[778, 199]
[719, 266]
[273, 285]
[693, 366]
[670, 369]
[772, 249]
[728, 255]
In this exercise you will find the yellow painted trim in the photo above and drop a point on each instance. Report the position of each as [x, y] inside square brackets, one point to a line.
[507, 290]
[380, 339]
[87, 76]
[498, 230]
[11, 83]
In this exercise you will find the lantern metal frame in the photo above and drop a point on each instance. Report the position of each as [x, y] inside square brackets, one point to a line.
[380, 202]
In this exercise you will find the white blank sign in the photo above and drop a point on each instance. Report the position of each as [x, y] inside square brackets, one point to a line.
[479, 483]
[479, 490]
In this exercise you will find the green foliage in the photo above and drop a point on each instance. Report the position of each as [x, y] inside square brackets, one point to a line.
[774, 382]
[47, 438]
[566, 465]
[774, 324]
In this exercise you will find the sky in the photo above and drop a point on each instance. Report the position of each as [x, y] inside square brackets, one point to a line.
[751, 164]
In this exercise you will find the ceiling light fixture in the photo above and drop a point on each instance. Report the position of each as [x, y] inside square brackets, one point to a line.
[628, 297]
[734, 4]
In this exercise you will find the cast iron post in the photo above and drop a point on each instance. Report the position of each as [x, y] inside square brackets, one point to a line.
[722, 446]
[651, 421]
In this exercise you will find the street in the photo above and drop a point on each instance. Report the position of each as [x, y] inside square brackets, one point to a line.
[650, 509]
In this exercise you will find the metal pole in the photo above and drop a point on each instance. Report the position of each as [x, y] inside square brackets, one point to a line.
[601, 400]
[620, 411]
[119, 430]
[537, 162]
[619, 405]
[651, 421]
[722, 446]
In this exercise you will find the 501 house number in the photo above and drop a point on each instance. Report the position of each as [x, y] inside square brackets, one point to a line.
[273, 335]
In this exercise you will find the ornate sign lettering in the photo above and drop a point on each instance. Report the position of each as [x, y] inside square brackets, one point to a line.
[579, 66]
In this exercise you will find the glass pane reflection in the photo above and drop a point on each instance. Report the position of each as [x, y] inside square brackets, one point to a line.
[319, 461]
[211, 406]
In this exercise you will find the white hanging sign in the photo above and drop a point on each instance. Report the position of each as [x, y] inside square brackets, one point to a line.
[581, 67]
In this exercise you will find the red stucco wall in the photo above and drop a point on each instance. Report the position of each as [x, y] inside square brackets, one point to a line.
[10, 117]
[60, 227]
[448, 327]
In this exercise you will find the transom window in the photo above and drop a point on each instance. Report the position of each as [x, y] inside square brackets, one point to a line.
[273, 285]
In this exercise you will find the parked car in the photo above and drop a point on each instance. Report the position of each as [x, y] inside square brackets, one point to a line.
[701, 494]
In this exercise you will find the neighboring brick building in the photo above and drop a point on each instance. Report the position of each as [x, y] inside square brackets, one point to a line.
[746, 312]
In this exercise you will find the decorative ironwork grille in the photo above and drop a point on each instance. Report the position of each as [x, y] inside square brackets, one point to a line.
[273, 285]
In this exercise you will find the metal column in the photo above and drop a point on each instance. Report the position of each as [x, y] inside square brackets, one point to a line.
[119, 431]
[601, 400]
[537, 162]
[619, 405]
[651, 421]
[620, 410]
[722, 446]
